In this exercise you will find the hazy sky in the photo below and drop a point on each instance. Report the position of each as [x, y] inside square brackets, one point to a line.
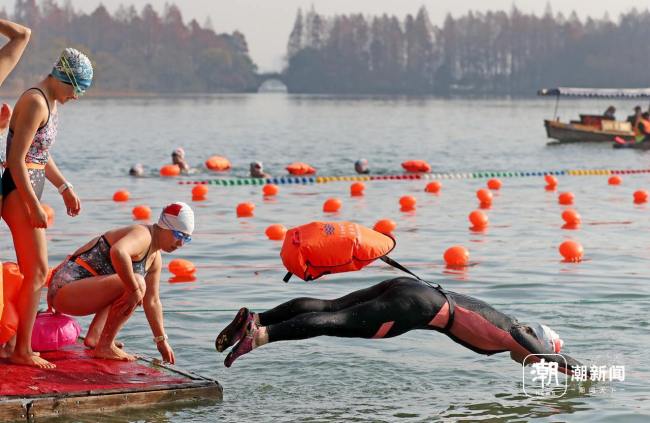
[267, 23]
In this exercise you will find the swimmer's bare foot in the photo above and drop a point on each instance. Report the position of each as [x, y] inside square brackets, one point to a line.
[31, 360]
[111, 353]
[90, 343]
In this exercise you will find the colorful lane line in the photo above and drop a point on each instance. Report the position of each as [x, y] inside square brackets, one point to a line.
[306, 180]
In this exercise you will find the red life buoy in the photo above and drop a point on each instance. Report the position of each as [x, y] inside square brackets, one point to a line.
[416, 166]
[299, 168]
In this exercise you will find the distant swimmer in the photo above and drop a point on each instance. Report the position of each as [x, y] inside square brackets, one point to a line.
[361, 166]
[137, 170]
[115, 273]
[389, 309]
[178, 158]
[257, 170]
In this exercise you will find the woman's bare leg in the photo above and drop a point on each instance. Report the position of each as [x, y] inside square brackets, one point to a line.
[95, 329]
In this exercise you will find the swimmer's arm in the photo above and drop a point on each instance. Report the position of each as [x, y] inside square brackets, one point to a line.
[11, 52]
[530, 345]
[53, 174]
[28, 116]
[153, 309]
[132, 244]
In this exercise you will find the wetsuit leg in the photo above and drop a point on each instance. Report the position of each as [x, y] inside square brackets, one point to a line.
[526, 338]
[404, 304]
[298, 306]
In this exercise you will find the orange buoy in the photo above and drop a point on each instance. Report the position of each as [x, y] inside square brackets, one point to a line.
[300, 168]
[456, 256]
[494, 184]
[385, 226]
[217, 163]
[551, 181]
[270, 190]
[433, 187]
[245, 209]
[199, 191]
[640, 196]
[571, 217]
[571, 251]
[565, 198]
[49, 211]
[408, 202]
[478, 219]
[141, 212]
[484, 196]
[357, 188]
[181, 267]
[170, 170]
[276, 232]
[121, 195]
[332, 205]
[614, 180]
[416, 166]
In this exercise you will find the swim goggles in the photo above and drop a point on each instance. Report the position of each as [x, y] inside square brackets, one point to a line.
[181, 236]
[70, 74]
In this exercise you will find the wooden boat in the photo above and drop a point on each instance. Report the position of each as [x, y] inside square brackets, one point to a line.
[84, 385]
[590, 127]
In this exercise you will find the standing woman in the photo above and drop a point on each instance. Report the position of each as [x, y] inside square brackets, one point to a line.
[32, 131]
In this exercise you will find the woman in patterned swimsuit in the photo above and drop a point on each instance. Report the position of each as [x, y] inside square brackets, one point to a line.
[32, 130]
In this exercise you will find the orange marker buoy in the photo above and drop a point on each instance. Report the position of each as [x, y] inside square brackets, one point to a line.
[49, 211]
[245, 209]
[300, 168]
[433, 187]
[416, 166]
[551, 181]
[170, 170]
[456, 256]
[565, 198]
[121, 195]
[141, 212]
[484, 196]
[332, 205]
[640, 196]
[478, 219]
[270, 190]
[571, 217]
[276, 232]
[614, 180]
[181, 267]
[385, 226]
[217, 163]
[200, 191]
[357, 188]
[408, 202]
[494, 184]
[571, 251]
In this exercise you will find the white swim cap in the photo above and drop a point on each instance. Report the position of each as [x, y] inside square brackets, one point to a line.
[548, 337]
[179, 152]
[177, 217]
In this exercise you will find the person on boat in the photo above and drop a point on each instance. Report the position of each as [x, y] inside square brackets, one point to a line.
[643, 128]
[137, 170]
[634, 119]
[178, 158]
[257, 170]
[116, 272]
[389, 309]
[610, 113]
[32, 131]
[361, 167]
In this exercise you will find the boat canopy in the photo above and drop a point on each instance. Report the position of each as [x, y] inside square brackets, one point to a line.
[596, 92]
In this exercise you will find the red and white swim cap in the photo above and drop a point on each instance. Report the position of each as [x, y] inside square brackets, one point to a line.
[177, 217]
[548, 337]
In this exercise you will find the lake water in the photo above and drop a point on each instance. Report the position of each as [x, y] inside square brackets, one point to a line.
[599, 306]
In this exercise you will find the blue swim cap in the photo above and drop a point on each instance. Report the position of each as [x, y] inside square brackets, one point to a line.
[74, 68]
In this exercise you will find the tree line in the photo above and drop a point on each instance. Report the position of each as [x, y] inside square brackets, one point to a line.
[133, 51]
[495, 52]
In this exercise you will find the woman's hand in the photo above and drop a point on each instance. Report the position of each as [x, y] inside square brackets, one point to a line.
[166, 352]
[129, 301]
[38, 217]
[71, 201]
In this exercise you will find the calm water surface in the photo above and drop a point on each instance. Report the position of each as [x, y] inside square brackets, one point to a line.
[599, 306]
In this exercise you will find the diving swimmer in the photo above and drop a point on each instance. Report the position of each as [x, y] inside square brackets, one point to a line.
[389, 309]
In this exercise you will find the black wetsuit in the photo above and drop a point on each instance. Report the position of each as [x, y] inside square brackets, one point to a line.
[399, 305]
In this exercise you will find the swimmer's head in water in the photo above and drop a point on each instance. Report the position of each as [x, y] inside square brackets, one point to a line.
[74, 68]
[179, 219]
[547, 336]
[179, 152]
[361, 166]
[136, 170]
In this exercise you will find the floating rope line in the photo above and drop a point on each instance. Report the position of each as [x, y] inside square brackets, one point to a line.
[308, 180]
